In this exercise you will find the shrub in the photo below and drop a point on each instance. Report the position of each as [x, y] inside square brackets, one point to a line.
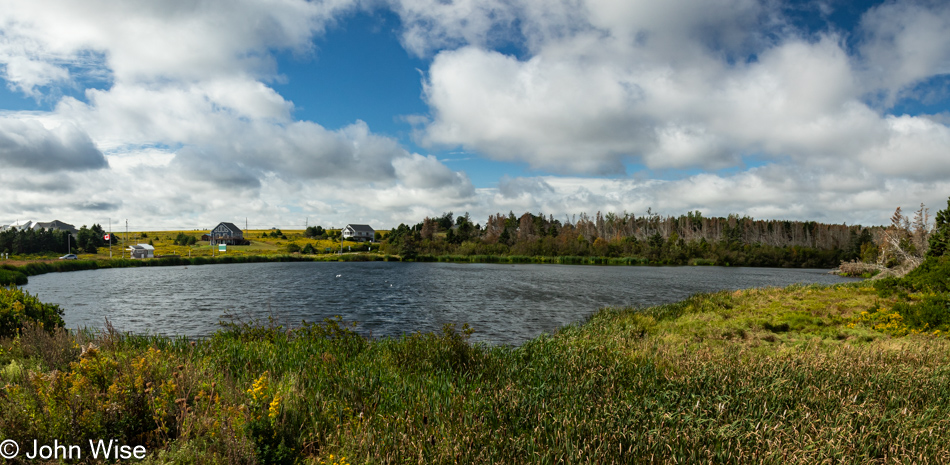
[932, 275]
[18, 307]
[8, 277]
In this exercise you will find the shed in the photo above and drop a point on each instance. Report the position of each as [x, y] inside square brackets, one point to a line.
[359, 232]
[142, 251]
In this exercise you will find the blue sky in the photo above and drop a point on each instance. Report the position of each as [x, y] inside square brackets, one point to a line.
[285, 112]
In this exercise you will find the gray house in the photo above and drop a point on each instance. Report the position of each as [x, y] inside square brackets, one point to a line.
[56, 225]
[227, 233]
[359, 233]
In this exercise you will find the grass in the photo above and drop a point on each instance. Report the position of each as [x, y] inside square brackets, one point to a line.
[261, 249]
[772, 375]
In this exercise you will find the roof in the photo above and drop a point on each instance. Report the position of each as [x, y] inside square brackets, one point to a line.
[142, 247]
[230, 226]
[361, 227]
[55, 224]
[35, 225]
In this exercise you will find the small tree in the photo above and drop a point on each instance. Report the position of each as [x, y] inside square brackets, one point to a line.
[905, 241]
[940, 237]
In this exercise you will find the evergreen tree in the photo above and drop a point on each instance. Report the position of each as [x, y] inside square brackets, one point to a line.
[940, 237]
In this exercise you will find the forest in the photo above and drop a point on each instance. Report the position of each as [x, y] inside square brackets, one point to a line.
[654, 239]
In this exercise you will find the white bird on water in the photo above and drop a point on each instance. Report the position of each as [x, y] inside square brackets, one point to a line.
[338, 275]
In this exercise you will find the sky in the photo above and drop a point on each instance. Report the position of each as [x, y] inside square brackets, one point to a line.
[181, 114]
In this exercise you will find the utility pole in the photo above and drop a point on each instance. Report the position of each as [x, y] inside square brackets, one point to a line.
[110, 238]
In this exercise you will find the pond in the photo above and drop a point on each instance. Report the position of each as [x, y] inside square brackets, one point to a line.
[505, 304]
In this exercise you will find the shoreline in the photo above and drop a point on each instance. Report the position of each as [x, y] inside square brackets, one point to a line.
[28, 268]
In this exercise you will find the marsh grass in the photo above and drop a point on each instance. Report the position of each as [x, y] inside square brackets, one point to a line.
[756, 376]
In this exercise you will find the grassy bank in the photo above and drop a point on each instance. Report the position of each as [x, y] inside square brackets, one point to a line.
[16, 274]
[803, 374]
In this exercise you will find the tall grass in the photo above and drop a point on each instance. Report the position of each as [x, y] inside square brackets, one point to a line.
[704, 380]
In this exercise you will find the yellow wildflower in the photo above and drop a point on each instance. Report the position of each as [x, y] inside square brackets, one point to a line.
[274, 407]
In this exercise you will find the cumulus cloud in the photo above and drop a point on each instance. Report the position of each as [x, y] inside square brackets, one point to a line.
[185, 122]
[688, 85]
[903, 44]
[29, 144]
[149, 41]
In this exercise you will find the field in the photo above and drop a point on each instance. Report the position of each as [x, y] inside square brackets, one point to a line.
[263, 242]
[805, 374]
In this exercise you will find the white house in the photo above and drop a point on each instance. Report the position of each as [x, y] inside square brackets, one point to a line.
[142, 251]
[54, 225]
[359, 232]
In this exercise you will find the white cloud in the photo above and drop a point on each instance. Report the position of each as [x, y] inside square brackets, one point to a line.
[186, 128]
[187, 117]
[688, 85]
[904, 43]
[169, 40]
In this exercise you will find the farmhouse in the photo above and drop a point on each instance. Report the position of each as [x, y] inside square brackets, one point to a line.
[359, 232]
[227, 233]
[141, 251]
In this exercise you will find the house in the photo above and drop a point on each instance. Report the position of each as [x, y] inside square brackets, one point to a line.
[54, 225]
[17, 227]
[227, 233]
[359, 232]
[142, 251]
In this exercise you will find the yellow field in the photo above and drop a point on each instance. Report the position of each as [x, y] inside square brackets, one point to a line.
[163, 241]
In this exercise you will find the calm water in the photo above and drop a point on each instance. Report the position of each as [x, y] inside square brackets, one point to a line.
[506, 304]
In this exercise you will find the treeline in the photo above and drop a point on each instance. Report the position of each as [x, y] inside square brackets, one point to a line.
[48, 241]
[690, 238]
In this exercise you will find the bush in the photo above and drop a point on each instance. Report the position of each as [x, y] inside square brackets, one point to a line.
[932, 275]
[8, 277]
[18, 307]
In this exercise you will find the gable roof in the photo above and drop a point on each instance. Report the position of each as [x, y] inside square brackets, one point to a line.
[55, 225]
[360, 227]
[230, 226]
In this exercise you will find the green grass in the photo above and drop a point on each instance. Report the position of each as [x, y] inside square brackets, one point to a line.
[788, 375]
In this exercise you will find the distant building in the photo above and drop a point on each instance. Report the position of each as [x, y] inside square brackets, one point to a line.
[54, 225]
[141, 251]
[359, 232]
[227, 233]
